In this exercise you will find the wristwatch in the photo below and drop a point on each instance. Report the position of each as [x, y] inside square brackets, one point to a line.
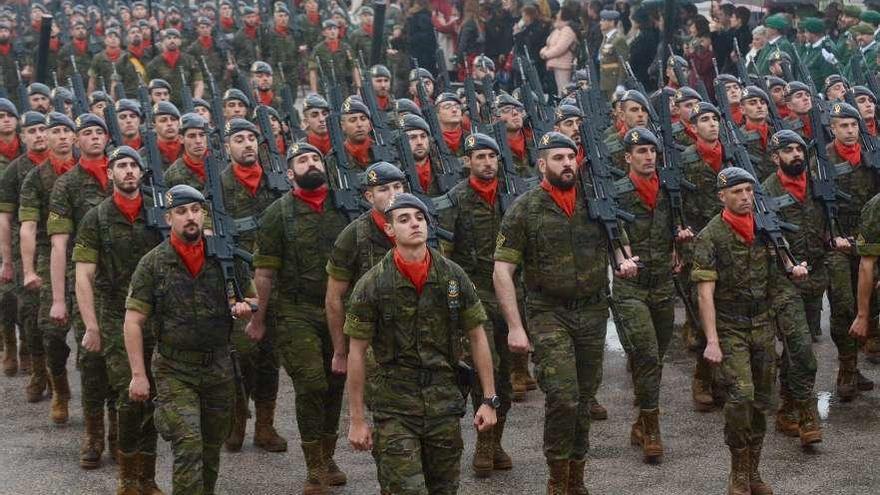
[494, 401]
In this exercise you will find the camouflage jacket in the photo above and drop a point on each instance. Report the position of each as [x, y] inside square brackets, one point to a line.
[861, 184]
[296, 241]
[159, 69]
[701, 204]
[359, 247]
[74, 194]
[240, 204]
[179, 173]
[343, 64]
[868, 241]
[650, 234]
[102, 67]
[412, 333]
[65, 69]
[215, 61]
[247, 49]
[361, 44]
[10, 188]
[311, 33]
[33, 202]
[283, 50]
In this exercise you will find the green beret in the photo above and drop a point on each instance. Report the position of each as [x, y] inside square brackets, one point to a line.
[733, 176]
[813, 25]
[862, 28]
[553, 140]
[783, 138]
[852, 11]
[639, 136]
[776, 21]
[182, 194]
[871, 17]
[381, 173]
[126, 152]
[478, 141]
[407, 200]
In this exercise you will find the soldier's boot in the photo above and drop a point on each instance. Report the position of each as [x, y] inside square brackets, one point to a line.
[128, 483]
[689, 336]
[597, 411]
[92, 442]
[519, 375]
[557, 482]
[787, 417]
[809, 429]
[113, 434]
[701, 388]
[756, 484]
[10, 356]
[335, 476]
[60, 398]
[576, 478]
[39, 379]
[316, 468]
[863, 383]
[24, 360]
[265, 436]
[484, 453]
[872, 349]
[847, 379]
[635, 433]
[500, 459]
[147, 474]
[652, 443]
[239, 424]
[738, 483]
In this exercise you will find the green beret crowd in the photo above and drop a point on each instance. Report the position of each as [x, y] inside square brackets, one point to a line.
[432, 208]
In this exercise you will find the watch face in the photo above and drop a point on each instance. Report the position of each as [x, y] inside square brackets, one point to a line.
[494, 401]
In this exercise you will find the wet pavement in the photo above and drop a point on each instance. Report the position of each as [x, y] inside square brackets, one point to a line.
[37, 457]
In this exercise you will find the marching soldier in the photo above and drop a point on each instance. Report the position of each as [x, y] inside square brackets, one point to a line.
[381, 77]
[205, 45]
[451, 120]
[39, 97]
[281, 47]
[109, 61]
[248, 41]
[357, 127]
[111, 239]
[10, 149]
[262, 80]
[189, 169]
[129, 115]
[776, 26]
[568, 121]
[799, 103]
[334, 52]
[185, 294]
[512, 112]
[835, 87]
[419, 137]
[614, 47]
[159, 90]
[315, 112]
[817, 53]
[171, 62]
[634, 113]
[416, 397]
[684, 101]
[236, 105]
[361, 39]
[78, 49]
[166, 122]
[757, 128]
[866, 102]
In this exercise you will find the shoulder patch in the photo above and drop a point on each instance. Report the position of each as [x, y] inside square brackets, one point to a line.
[499, 241]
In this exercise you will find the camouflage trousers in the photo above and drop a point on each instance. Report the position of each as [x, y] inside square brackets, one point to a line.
[569, 348]
[496, 333]
[194, 413]
[795, 318]
[644, 317]
[9, 316]
[259, 364]
[417, 455]
[748, 375]
[54, 336]
[304, 349]
[843, 273]
[28, 307]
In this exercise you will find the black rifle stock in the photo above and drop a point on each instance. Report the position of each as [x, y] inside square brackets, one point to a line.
[435, 233]
[289, 113]
[23, 101]
[274, 166]
[111, 121]
[154, 183]
[447, 173]
[217, 119]
[80, 98]
[382, 147]
[186, 97]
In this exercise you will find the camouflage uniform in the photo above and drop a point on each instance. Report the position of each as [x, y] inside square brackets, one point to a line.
[179, 173]
[65, 69]
[284, 51]
[361, 43]
[7, 68]
[342, 61]
[158, 69]
[614, 144]
[102, 67]
[10, 293]
[566, 299]
[764, 167]
[417, 404]
[214, 59]
[247, 49]
[192, 368]
[359, 247]
[108, 240]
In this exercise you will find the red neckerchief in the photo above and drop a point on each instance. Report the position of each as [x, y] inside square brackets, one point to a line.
[11, 149]
[281, 144]
[647, 189]
[453, 138]
[266, 97]
[416, 272]
[134, 143]
[784, 111]
[196, 166]
[871, 125]
[320, 142]
[379, 220]
[281, 30]
[581, 154]
[79, 46]
[851, 153]
[620, 125]
[130, 208]
[424, 171]
[342, 31]
[742, 225]
[192, 255]
[249, 177]
[37, 158]
[763, 130]
[170, 150]
[383, 102]
[36, 25]
[207, 42]
[61, 166]
[360, 152]
[171, 57]
[333, 45]
[227, 23]
[737, 113]
[113, 53]
[137, 50]
[313, 198]
[99, 29]
[690, 130]
[796, 186]
[54, 45]
[250, 32]
[313, 17]
[485, 190]
[5, 48]
[517, 144]
[368, 29]
[97, 168]
[564, 199]
[808, 126]
[147, 43]
[711, 153]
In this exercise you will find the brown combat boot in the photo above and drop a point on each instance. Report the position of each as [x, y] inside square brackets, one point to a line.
[576, 478]
[872, 346]
[92, 442]
[147, 474]
[635, 433]
[652, 444]
[500, 459]
[863, 383]
[519, 375]
[484, 453]
[113, 434]
[265, 436]
[809, 429]
[10, 356]
[701, 388]
[738, 484]
[235, 439]
[756, 484]
[335, 476]
[787, 417]
[128, 483]
[597, 411]
[689, 336]
[847, 378]
[557, 483]
[36, 387]
[60, 398]
[316, 468]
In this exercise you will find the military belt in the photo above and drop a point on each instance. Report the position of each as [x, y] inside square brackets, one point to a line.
[744, 309]
[647, 279]
[300, 297]
[421, 376]
[199, 358]
[570, 304]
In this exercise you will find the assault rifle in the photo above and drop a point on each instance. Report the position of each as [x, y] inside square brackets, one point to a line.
[186, 97]
[41, 64]
[447, 173]
[116, 82]
[80, 98]
[289, 113]
[273, 163]
[512, 184]
[217, 119]
[868, 142]
[442, 73]
[146, 107]
[540, 115]
[23, 101]
[154, 182]
[412, 178]
[381, 147]
[111, 120]
[671, 175]
[602, 109]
